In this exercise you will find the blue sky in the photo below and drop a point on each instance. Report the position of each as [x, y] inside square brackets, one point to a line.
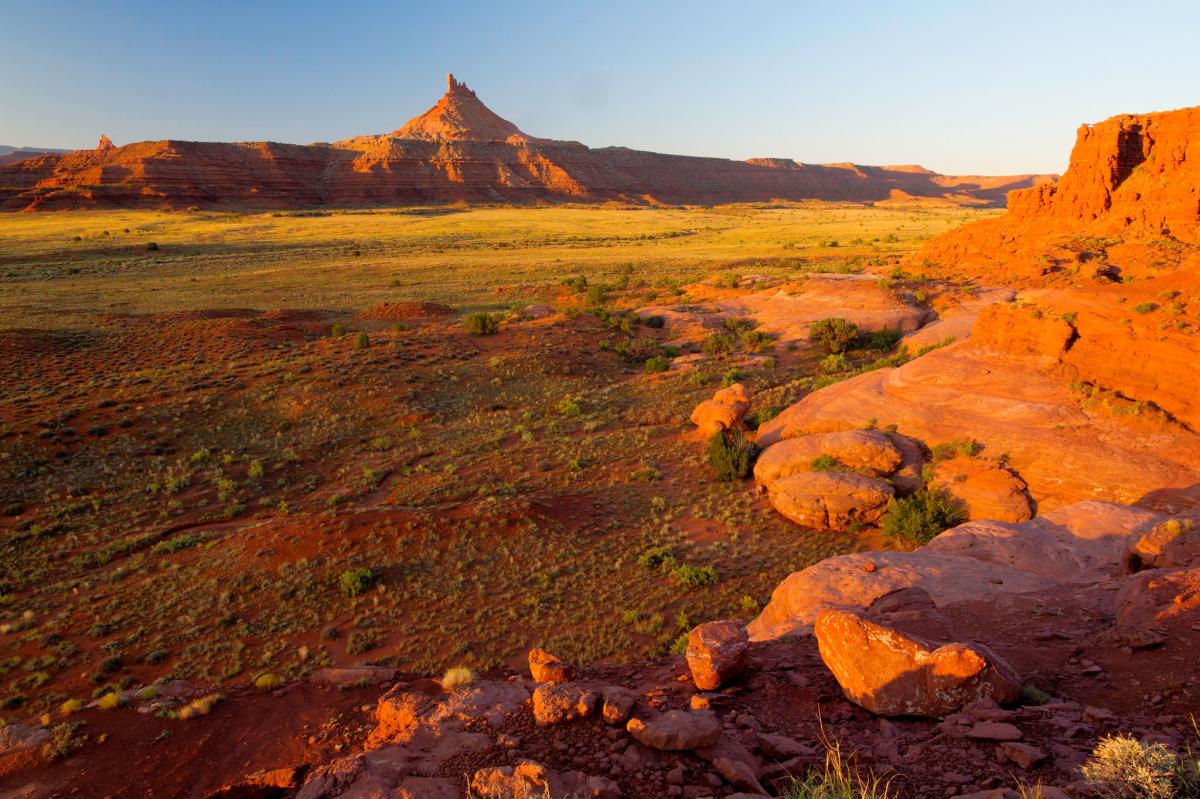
[960, 87]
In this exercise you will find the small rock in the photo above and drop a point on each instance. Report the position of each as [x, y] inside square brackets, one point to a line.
[557, 702]
[716, 652]
[545, 667]
[1023, 755]
[994, 731]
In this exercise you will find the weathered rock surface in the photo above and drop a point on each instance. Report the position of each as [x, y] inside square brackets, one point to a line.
[676, 730]
[716, 653]
[1018, 405]
[893, 674]
[528, 780]
[554, 703]
[1174, 542]
[987, 490]
[724, 411]
[1082, 543]
[830, 500]
[868, 451]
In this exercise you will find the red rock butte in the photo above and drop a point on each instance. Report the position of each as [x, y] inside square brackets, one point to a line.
[457, 151]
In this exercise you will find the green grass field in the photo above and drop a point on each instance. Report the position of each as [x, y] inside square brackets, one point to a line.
[61, 269]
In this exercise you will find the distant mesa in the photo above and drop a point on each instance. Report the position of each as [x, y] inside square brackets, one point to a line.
[457, 151]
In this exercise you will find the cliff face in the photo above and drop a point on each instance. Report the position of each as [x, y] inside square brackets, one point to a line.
[459, 150]
[1130, 201]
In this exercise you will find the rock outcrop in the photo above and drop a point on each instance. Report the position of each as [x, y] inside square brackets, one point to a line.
[892, 674]
[725, 411]
[716, 652]
[457, 151]
[1082, 544]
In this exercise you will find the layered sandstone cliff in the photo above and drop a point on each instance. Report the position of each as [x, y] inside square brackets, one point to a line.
[459, 150]
[1128, 206]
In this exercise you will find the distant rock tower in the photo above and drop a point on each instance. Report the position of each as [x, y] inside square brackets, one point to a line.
[456, 87]
[105, 144]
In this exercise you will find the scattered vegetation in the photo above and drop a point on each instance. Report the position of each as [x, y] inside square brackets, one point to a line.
[481, 324]
[357, 581]
[456, 677]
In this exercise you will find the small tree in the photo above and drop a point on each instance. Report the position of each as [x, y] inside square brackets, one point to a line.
[731, 455]
[834, 335]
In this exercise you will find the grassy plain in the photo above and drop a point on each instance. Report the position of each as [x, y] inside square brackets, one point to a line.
[196, 490]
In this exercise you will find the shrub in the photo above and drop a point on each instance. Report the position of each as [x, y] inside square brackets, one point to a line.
[694, 577]
[357, 581]
[834, 335]
[834, 363]
[967, 447]
[718, 344]
[657, 363]
[731, 376]
[362, 340]
[731, 455]
[1032, 695]
[654, 322]
[481, 324]
[457, 676]
[70, 706]
[1125, 768]
[824, 463]
[268, 682]
[885, 339]
[570, 406]
[63, 741]
[181, 541]
[152, 246]
[656, 557]
[919, 518]
[1145, 307]
[338, 330]
[200, 707]
[110, 701]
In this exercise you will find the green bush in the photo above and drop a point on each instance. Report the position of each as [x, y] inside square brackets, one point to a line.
[152, 246]
[831, 364]
[338, 330]
[731, 455]
[656, 557]
[481, 324]
[654, 322]
[919, 518]
[657, 363]
[362, 341]
[358, 581]
[718, 344]
[885, 339]
[731, 376]
[824, 463]
[693, 576]
[833, 335]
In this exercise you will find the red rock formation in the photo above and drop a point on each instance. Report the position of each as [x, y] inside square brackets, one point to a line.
[459, 150]
[1130, 200]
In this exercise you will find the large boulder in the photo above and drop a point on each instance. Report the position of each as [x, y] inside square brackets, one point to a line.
[676, 730]
[830, 500]
[725, 411]
[868, 451]
[716, 652]
[986, 490]
[893, 674]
